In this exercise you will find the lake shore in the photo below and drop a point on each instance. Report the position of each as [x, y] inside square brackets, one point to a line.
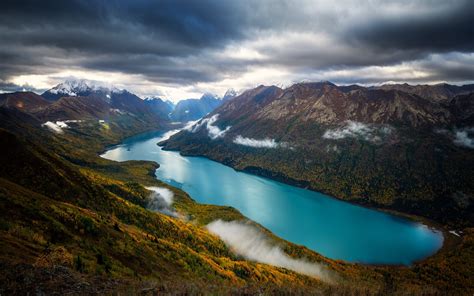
[357, 253]
[450, 241]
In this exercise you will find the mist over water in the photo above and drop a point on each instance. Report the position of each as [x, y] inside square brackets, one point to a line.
[331, 227]
[247, 241]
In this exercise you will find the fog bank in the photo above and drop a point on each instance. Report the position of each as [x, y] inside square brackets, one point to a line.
[355, 129]
[249, 242]
[160, 200]
[250, 142]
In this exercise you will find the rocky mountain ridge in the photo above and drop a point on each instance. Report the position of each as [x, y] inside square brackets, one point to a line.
[379, 147]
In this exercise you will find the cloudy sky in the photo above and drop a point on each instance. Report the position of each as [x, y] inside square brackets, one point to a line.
[180, 49]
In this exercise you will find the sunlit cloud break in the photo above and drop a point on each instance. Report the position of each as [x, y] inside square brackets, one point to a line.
[249, 242]
[265, 143]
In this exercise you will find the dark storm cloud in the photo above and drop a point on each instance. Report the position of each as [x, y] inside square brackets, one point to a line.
[450, 29]
[154, 67]
[84, 28]
[161, 27]
[177, 41]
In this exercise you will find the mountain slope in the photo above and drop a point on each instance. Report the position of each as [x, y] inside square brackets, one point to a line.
[118, 101]
[74, 223]
[55, 214]
[383, 148]
[160, 107]
[229, 94]
[327, 104]
[25, 101]
[442, 92]
[462, 107]
[75, 108]
[90, 222]
[192, 109]
[73, 87]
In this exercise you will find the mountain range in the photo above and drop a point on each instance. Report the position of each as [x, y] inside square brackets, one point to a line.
[193, 109]
[75, 223]
[161, 107]
[399, 147]
[183, 111]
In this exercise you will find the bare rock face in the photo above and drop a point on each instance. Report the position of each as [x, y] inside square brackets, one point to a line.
[325, 103]
[437, 93]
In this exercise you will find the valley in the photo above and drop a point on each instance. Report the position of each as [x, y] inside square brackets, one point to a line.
[304, 217]
[87, 220]
[257, 147]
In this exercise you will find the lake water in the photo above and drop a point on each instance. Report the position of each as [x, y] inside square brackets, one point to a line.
[333, 228]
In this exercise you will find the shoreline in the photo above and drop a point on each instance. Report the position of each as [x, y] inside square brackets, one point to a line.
[448, 243]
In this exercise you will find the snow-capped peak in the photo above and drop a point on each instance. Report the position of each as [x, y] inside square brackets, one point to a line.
[230, 93]
[150, 99]
[74, 87]
[69, 87]
[209, 95]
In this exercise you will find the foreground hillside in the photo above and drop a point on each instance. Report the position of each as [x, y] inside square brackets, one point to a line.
[75, 223]
[87, 225]
[58, 215]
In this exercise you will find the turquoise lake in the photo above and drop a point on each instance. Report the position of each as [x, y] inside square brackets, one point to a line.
[333, 228]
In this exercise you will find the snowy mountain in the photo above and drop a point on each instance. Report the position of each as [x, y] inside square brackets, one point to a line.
[159, 106]
[79, 87]
[192, 109]
[229, 94]
[80, 97]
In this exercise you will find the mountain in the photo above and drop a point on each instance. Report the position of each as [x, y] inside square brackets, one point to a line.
[25, 101]
[125, 101]
[80, 99]
[229, 94]
[75, 223]
[129, 102]
[68, 226]
[462, 107]
[379, 147]
[117, 113]
[78, 87]
[442, 92]
[170, 104]
[160, 107]
[192, 109]
[325, 103]
[75, 108]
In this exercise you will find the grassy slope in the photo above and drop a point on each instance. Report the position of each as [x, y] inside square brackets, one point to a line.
[85, 213]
